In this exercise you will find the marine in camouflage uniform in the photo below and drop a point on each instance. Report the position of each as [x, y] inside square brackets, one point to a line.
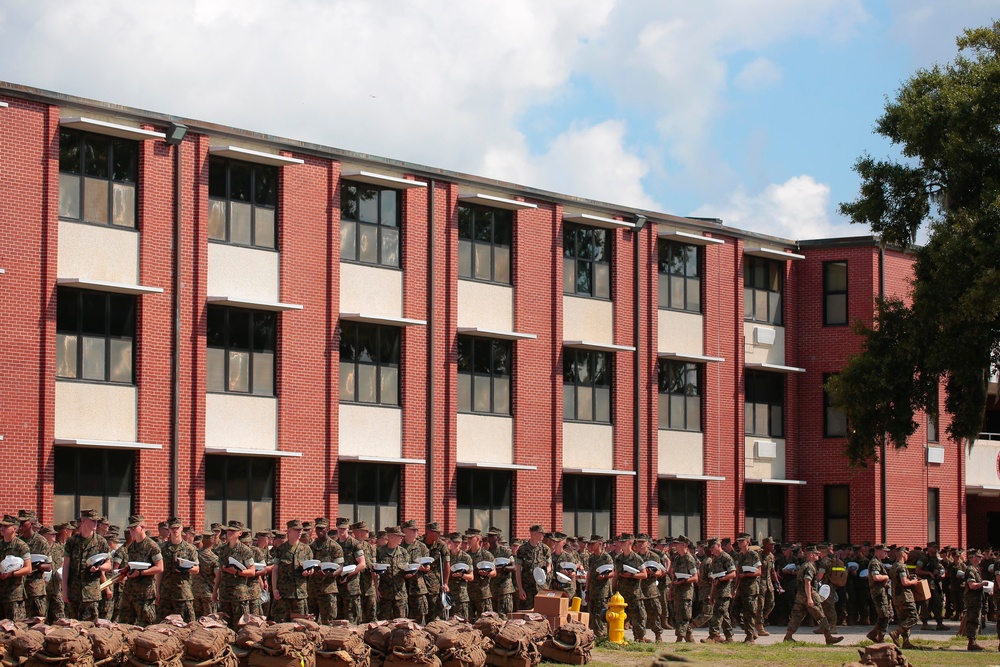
[349, 592]
[438, 550]
[108, 606]
[502, 586]
[703, 592]
[289, 578]
[369, 596]
[662, 550]
[824, 568]
[233, 592]
[973, 599]
[137, 605]
[560, 555]
[930, 567]
[261, 579]
[806, 600]
[12, 583]
[416, 586]
[598, 586]
[878, 585]
[322, 585]
[480, 592]
[721, 573]
[530, 555]
[765, 603]
[629, 585]
[203, 583]
[81, 582]
[902, 599]
[683, 589]
[53, 587]
[649, 588]
[458, 581]
[747, 598]
[392, 583]
[35, 601]
[176, 593]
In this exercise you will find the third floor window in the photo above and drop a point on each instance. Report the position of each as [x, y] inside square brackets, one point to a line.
[243, 203]
[484, 236]
[680, 276]
[369, 224]
[97, 178]
[241, 346]
[762, 288]
[586, 261]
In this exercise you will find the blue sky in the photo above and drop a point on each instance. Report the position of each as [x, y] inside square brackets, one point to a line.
[750, 111]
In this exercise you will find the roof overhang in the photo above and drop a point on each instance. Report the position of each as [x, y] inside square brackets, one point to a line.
[111, 129]
[382, 319]
[694, 358]
[597, 221]
[598, 347]
[775, 368]
[691, 478]
[770, 253]
[105, 286]
[248, 451]
[359, 458]
[599, 471]
[480, 465]
[248, 155]
[689, 237]
[372, 178]
[779, 482]
[495, 333]
[103, 444]
[237, 302]
[496, 202]
[986, 490]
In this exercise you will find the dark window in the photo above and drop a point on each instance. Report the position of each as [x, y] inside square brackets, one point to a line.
[587, 502]
[241, 345]
[834, 293]
[239, 488]
[100, 479]
[95, 332]
[837, 513]
[369, 363]
[369, 224]
[680, 395]
[484, 369]
[681, 507]
[834, 419]
[586, 385]
[484, 236]
[242, 203]
[932, 419]
[680, 276]
[765, 511]
[762, 287]
[97, 178]
[933, 514]
[484, 499]
[765, 403]
[586, 261]
[369, 492]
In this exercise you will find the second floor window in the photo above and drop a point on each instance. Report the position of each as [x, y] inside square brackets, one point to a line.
[680, 396]
[680, 276]
[586, 261]
[834, 419]
[834, 293]
[243, 203]
[765, 404]
[762, 287]
[369, 224]
[369, 363]
[484, 236]
[241, 345]
[97, 178]
[94, 335]
[484, 366]
[586, 385]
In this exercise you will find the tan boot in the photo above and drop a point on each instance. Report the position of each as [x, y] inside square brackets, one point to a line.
[761, 632]
[974, 646]
[788, 636]
[873, 636]
[894, 637]
[833, 639]
[689, 637]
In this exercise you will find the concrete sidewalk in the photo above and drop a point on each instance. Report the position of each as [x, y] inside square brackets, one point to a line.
[852, 635]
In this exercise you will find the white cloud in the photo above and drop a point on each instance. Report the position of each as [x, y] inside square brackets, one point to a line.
[797, 209]
[928, 28]
[758, 74]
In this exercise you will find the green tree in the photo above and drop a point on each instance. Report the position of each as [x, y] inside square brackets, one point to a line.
[945, 122]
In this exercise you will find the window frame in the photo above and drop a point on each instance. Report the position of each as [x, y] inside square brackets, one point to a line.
[668, 370]
[379, 226]
[353, 475]
[379, 330]
[752, 381]
[828, 293]
[127, 457]
[64, 294]
[828, 491]
[467, 480]
[592, 357]
[266, 481]
[586, 487]
[81, 175]
[251, 202]
[571, 253]
[933, 517]
[668, 490]
[491, 376]
[667, 277]
[828, 408]
[252, 351]
[750, 290]
[933, 430]
[475, 211]
[769, 505]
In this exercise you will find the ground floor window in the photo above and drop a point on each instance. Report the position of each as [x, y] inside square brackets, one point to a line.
[369, 492]
[587, 502]
[837, 513]
[765, 511]
[933, 514]
[240, 488]
[681, 508]
[99, 479]
[484, 499]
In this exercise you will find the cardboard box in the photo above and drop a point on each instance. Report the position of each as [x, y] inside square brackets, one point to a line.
[921, 591]
[553, 621]
[552, 603]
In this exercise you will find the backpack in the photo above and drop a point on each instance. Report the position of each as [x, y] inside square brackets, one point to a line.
[157, 647]
[66, 643]
[208, 643]
[571, 643]
[838, 573]
[108, 644]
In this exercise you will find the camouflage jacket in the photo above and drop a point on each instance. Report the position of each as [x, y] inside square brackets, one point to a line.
[258, 583]
[81, 584]
[175, 584]
[566, 556]
[629, 588]
[456, 585]
[503, 583]
[529, 557]
[686, 564]
[722, 563]
[599, 588]
[203, 583]
[34, 583]
[650, 586]
[442, 561]
[901, 593]
[368, 575]
[415, 551]
[766, 581]
[751, 586]
[392, 582]
[12, 588]
[288, 559]
[479, 587]
[352, 550]
[806, 571]
[235, 587]
[142, 587]
[326, 551]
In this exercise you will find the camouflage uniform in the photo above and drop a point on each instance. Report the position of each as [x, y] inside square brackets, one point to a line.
[973, 600]
[259, 583]
[934, 606]
[703, 592]
[292, 586]
[35, 602]
[598, 594]
[392, 583]
[235, 592]
[323, 587]
[650, 590]
[369, 599]
[108, 607]
[138, 601]
[682, 594]
[176, 592]
[630, 589]
[747, 598]
[765, 603]
[824, 568]
[880, 596]
[502, 586]
[83, 586]
[53, 589]
[480, 591]
[349, 597]
[720, 597]
[12, 588]
[567, 556]
[203, 583]
[459, 587]
[663, 589]
[416, 588]
[529, 557]
[902, 600]
[801, 607]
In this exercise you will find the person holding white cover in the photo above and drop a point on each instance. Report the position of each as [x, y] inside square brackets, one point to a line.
[745, 601]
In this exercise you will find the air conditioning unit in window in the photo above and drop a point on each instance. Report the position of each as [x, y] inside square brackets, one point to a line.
[766, 449]
[935, 454]
[763, 336]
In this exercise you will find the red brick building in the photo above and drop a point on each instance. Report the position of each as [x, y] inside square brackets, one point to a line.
[218, 324]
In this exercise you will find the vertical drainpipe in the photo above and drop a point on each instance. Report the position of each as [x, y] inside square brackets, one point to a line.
[640, 221]
[430, 350]
[175, 140]
[881, 296]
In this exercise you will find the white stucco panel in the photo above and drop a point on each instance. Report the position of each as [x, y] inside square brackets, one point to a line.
[981, 466]
[680, 453]
[765, 468]
[243, 273]
[368, 430]
[588, 319]
[98, 253]
[757, 353]
[240, 420]
[683, 333]
[485, 439]
[588, 446]
[371, 290]
[92, 411]
[485, 305]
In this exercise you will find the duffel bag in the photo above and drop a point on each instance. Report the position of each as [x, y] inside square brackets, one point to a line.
[156, 646]
[285, 637]
[551, 652]
[107, 643]
[377, 636]
[208, 643]
[414, 660]
[66, 642]
[574, 637]
[225, 659]
[26, 643]
[408, 638]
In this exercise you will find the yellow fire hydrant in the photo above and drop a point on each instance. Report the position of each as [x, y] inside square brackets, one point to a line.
[616, 619]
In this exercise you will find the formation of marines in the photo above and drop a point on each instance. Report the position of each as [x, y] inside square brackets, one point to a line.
[89, 569]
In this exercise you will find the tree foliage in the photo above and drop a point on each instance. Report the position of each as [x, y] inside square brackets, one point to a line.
[946, 123]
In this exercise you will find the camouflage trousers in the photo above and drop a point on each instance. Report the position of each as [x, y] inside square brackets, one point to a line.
[830, 610]
[369, 607]
[183, 608]
[203, 606]
[137, 611]
[801, 608]
[82, 611]
[503, 604]
[765, 605]
[417, 607]
[973, 619]
[324, 607]
[350, 608]
[12, 610]
[682, 604]
[598, 606]
[932, 607]
[654, 614]
[106, 607]
[719, 623]
[883, 612]
[390, 607]
[479, 607]
[36, 605]
[460, 609]
[529, 597]
[906, 615]
[744, 608]
[636, 615]
[235, 609]
[435, 610]
[282, 610]
[57, 606]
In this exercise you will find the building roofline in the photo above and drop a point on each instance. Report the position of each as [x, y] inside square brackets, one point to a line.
[854, 242]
